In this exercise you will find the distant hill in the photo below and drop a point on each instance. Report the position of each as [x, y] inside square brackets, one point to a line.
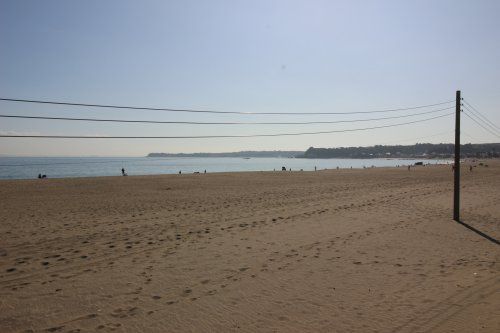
[419, 150]
[273, 153]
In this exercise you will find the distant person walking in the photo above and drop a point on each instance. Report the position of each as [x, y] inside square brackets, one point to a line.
[123, 172]
[408, 168]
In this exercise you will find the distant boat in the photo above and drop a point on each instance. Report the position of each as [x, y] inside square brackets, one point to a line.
[246, 158]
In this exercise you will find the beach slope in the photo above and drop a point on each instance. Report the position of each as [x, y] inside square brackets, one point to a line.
[371, 250]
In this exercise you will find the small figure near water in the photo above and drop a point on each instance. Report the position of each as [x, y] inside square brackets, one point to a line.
[408, 168]
[40, 176]
[283, 168]
[123, 172]
[180, 172]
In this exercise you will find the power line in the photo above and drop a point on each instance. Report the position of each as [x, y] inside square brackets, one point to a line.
[480, 114]
[216, 123]
[478, 123]
[212, 111]
[216, 136]
[480, 119]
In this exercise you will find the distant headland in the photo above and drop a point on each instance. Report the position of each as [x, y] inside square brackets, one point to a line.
[419, 150]
[272, 153]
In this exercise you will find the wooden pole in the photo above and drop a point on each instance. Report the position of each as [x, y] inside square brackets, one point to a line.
[456, 194]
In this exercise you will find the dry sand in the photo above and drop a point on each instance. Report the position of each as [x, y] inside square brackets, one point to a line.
[369, 250]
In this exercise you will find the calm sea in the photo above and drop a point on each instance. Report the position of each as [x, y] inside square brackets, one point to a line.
[63, 167]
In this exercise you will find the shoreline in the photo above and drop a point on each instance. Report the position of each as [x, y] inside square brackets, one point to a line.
[89, 168]
[222, 172]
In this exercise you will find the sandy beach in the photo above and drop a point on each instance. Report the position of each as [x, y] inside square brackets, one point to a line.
[366, 250]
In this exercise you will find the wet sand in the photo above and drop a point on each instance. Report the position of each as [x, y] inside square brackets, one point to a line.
[370, 250]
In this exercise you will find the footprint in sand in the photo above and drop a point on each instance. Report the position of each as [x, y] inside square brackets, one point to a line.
[186, 292]
[109, 326]
[123, 313]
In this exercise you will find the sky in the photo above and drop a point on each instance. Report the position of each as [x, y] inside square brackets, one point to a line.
[245, 56]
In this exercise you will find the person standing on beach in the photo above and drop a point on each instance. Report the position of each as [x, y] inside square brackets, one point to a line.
[123, 172]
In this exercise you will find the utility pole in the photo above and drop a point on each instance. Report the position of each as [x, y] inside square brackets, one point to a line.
[456, 194]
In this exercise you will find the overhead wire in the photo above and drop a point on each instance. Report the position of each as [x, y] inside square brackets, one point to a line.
[474, 110]
[110, 106]
[220, 136]
[216, 123]
[478, 123]
[481, 120]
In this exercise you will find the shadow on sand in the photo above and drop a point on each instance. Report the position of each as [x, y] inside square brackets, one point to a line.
[479, 232]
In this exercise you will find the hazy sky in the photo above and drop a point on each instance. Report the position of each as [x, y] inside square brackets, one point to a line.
[258, 56]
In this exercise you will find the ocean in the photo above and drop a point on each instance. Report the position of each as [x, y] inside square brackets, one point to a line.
[65, 167]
